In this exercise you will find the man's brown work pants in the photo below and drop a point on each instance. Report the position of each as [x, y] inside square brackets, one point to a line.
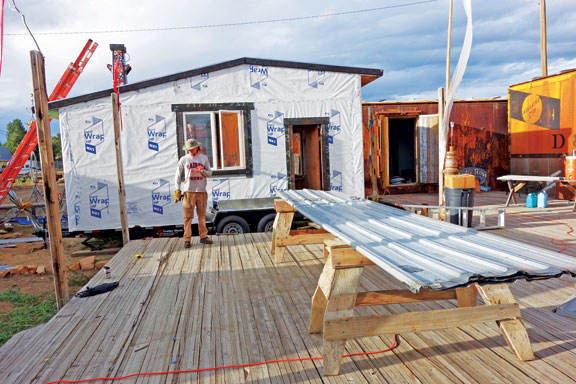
[200, 201]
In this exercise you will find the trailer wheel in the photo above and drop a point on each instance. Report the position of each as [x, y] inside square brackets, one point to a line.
[266, 224]
[233, 224]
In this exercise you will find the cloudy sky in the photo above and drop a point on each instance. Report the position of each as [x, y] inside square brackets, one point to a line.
[405, 38]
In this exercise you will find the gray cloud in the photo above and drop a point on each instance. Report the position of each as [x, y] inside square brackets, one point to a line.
[408, 43]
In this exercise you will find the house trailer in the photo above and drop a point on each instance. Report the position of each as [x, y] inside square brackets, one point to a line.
[401, 143]
[265, 125]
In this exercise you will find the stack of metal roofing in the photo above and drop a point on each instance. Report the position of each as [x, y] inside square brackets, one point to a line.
[423, 252]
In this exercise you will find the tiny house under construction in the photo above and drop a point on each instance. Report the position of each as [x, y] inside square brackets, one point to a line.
[265, 125]
[401, 143]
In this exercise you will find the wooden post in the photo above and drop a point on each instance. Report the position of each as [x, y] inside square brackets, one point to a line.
[120, 171]
[441, 146]
[543, 50]
[49, 178]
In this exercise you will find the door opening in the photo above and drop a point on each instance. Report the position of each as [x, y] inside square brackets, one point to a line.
[308, 155]
[402, 151]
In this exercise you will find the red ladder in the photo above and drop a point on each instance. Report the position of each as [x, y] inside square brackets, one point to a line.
[30, 139]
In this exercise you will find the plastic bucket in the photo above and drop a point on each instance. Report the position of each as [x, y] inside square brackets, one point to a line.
[459, 197]
[570, 168]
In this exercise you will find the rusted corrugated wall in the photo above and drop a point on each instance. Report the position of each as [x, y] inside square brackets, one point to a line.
[480, 137]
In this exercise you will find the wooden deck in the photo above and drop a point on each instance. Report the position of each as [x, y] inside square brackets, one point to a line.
[546, 227]
[229, 304]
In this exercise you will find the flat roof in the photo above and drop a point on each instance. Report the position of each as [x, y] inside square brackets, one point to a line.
[545, 77]
[391, 102]
[368, 75]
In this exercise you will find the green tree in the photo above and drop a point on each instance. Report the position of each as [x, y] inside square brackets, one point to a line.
[56, 146]
[15, 133]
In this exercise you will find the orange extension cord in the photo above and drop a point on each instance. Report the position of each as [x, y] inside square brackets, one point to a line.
[554, 241]
[394, 345]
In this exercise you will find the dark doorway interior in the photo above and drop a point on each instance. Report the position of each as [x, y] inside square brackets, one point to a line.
[402, 151]
[307, 160]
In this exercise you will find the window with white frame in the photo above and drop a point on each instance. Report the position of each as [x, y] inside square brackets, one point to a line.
[221, 136]
[223, 131]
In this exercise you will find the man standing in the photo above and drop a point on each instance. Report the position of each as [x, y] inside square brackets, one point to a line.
[194, 167]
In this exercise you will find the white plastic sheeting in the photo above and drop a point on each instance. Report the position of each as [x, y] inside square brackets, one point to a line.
[150, 150]
[455, 82]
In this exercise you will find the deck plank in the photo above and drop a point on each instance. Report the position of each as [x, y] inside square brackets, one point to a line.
[231, 304]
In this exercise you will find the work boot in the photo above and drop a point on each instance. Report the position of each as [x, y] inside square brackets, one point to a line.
[186, 244]
[206, 240]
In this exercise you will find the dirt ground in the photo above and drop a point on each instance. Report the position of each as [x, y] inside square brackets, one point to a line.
[34, 254]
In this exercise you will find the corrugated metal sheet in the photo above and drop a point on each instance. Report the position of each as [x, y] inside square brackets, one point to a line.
[423, 252]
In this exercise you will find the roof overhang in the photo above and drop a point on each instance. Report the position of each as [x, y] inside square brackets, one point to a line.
[367, 75]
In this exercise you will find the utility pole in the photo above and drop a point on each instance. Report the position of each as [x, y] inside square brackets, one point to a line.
[49, 178]
[449, 46]
[543, 50]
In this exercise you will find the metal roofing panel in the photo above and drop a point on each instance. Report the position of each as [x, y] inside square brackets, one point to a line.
[423, 252]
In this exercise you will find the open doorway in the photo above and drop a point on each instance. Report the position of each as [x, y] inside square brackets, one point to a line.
[402, 150]
[307, 157]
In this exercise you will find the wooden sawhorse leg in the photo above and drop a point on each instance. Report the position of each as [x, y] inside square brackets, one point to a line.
[283, 236]
[282, 224]
[513, 329]
[335, 296]
[512, 190]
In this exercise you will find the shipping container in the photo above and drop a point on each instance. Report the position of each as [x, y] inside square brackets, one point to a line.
[542, 124]
[401, 143]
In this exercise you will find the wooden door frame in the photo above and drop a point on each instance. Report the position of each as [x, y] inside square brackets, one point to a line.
[384, 122]
[322, 123]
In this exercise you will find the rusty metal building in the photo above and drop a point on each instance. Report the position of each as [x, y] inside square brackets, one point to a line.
[401, 143]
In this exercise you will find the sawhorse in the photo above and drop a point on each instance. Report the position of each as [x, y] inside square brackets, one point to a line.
[337, 294]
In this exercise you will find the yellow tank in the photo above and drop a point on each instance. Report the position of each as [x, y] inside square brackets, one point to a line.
[460, 181]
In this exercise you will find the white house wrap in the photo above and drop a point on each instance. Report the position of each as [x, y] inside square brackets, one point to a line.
[159, 114]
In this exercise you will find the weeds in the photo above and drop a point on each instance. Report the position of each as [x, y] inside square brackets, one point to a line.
[76, 279]
[29, 311]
